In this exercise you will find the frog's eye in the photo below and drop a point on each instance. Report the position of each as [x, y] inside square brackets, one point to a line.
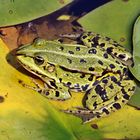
[38, 60]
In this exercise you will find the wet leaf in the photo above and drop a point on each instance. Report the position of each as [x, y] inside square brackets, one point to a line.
[136, 49]
[27, 115]
[15, 12]
[114, 19]
[135, 101]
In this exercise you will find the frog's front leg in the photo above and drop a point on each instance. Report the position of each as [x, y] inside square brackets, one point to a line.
[60, 92]
[108, 95]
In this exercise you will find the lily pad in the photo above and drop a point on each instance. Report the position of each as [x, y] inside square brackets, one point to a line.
[135, 101]
[15, 12]
[27, 115]
[136, 49]
[114, 19]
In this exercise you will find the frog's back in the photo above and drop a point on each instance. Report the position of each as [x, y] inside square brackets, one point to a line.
[80, 58]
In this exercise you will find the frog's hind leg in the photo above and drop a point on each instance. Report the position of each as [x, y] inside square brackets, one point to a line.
[89, 115]
[107, 96]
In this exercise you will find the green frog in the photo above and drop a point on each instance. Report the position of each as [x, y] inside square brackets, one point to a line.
[94, 65]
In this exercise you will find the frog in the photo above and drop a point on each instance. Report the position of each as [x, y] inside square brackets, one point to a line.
[93, 64]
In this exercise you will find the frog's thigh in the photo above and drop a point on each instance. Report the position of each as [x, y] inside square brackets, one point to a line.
[108, 90]
[102, 91]
[60, 93]
[116, 102]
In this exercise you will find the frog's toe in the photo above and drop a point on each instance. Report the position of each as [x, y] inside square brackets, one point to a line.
[37, 88]
[84, 114]
[70, 36]
[67, 111]
[80, 108]
[79, 111]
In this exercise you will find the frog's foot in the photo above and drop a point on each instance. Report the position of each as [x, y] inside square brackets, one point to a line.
[83, 113]
[72, 36]
[61, 93]
[91, 115]
[80, 108]
[36, 88]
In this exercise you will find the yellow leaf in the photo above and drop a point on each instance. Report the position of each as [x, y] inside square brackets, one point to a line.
[26, 115]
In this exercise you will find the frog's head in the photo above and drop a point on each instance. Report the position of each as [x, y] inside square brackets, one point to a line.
[33, 58]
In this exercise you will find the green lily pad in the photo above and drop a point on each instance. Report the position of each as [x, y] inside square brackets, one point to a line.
[114, 19]
[136, 49]
[27, 115]
[135, 101]
[18, 11]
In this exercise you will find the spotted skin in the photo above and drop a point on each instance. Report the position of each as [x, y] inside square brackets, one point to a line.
[95, 65]
[100, 100]
[91, 39]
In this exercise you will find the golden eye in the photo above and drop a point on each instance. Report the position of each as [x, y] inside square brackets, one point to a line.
[38, 60]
